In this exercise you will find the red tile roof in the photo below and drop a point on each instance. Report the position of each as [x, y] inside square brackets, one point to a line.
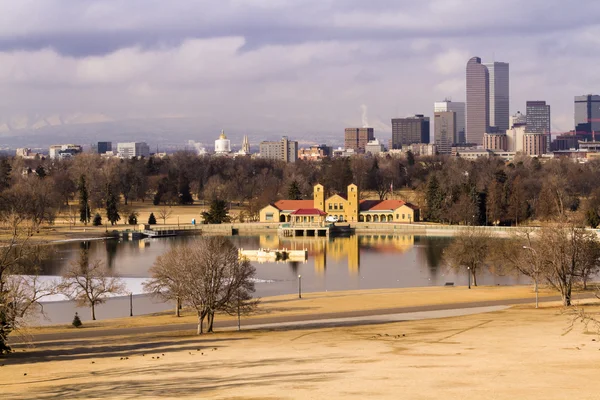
[293, 205]
[309, 211]
[384, 205]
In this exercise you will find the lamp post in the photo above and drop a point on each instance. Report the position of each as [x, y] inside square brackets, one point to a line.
[299, 286]
[535, 273]
[469, 276]
[131, 304]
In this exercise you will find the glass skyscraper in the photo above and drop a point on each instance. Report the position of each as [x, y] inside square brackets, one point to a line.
[587, 113]
[478, 101]
[499, 95]
[538, 120]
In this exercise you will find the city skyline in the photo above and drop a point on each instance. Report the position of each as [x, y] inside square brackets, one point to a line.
[105, 62]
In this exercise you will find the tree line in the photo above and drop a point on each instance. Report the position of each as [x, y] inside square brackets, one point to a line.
[487, 191]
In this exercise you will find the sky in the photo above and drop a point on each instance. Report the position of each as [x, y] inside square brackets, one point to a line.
[299, 66]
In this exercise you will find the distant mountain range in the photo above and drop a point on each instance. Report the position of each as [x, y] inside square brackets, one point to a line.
[40, 131]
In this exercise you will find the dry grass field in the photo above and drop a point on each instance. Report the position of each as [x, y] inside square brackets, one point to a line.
[520, 353]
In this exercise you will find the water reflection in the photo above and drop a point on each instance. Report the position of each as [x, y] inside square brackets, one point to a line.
[354, 262]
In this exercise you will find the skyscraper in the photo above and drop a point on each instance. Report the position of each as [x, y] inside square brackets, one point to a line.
[459, 110]
[499, 95]
[587, 113]
[410, 130]
[538, 120]
[445, 130]
[357, 138]
[478, 101]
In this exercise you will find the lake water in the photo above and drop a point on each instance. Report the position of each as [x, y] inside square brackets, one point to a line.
[342, 263]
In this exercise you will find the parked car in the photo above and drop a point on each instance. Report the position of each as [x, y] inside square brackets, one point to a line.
[331, 218]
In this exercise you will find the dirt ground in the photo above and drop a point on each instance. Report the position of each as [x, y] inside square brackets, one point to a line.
[519, 353]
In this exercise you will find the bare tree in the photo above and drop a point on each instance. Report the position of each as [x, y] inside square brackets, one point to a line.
[208, 275]
[90, 283]
[164, 213]
[470, 250]
[521, 253]
[565, 250]
[19, 293]
[167, 273]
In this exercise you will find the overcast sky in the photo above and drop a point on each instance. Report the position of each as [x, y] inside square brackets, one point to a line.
[295, 65]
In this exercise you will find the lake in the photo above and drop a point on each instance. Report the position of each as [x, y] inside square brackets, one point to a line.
[341, 263]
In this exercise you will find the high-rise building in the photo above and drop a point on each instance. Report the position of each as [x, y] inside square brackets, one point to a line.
[357, 138]
[499, 95]
[133, 149]
[459, 109]
[534, 144]
[284, 150]
[495, 141]
[478, 101]
[410, 130]
[517, 120]
[444, 130]
[587, 113]
[538, 120]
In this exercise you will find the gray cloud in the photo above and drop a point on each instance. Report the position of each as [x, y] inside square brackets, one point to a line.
[306, 65]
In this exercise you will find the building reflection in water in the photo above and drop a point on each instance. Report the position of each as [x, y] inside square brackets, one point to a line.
[339, 249]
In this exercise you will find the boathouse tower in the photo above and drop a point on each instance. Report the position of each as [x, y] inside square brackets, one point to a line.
[353, 205]
[319, 197]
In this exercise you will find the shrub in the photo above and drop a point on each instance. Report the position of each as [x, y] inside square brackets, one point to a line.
[77, 321]
[132, 219]
[151, 219]
[97, 220]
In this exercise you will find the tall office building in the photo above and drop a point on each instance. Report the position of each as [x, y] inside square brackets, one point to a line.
[284, 150]
[459, 110]
[538, 120]
[444, 130]
[587, 113]
[102, 147]
[477, 115]
[410, 130]
[499, 95]
[357, 138]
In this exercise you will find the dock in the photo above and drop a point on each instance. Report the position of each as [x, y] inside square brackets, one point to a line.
[277, 255]
[314, 229]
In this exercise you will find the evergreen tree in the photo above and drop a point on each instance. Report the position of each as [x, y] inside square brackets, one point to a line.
[217, 214]
[151, 219]
[132, 219]
[5, 170]
[77, 321]
[294, 191]
[410, 158]
[592, 218]
[97, 220]
[40, 171]
[112, 210]
[434, 198]
[85, 213]
[185, 194]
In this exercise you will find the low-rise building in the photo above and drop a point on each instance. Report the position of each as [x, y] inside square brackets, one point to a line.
[346, 207]
[374, 147]
[133, 149]
[315, 153]
[495, 141]
[64, 150]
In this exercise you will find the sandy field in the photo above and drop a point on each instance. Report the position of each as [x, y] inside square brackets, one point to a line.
[519, 353]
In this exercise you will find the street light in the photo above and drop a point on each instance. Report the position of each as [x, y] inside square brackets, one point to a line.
[299, 286]
[469, 276]
[535, 273]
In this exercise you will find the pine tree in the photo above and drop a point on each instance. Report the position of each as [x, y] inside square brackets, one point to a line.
[151, 219]
[85, 213]
[5, 170]
[294, 191]
[434, 199]
[410, 158]
[97, 220]
[77, 321]
[185, 194]
[217, 214]
[40, 171]
[132, 219]
[112, 211]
